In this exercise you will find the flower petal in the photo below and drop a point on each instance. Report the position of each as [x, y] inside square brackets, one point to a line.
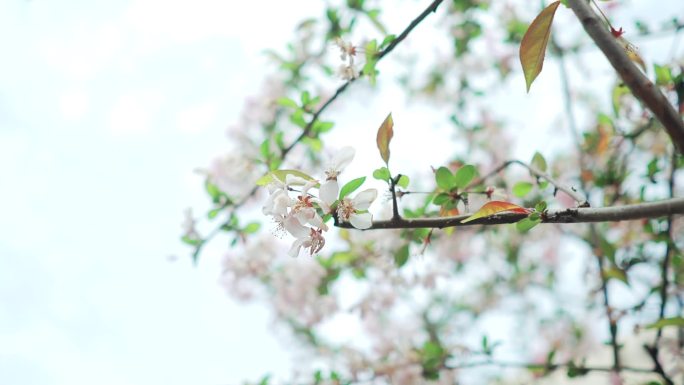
[296, 247]
[343, 158]
[329, 191]
[295, 228]
[363, 200]
[361, 221]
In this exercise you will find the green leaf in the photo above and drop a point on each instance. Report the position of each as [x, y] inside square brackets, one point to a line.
[521, 189]
[297, 118]
[401, 256]
[444, 178]
[533, 45]
[538, 162]
[403, 181]
[281, 175]
[305, 98]
[663, 74]
[321, 127]
[540, 207]
[619, 90]
[252, 228]
[616, 273]
[382, 174]
[287, 102]
[351, 186]
[661, 323]
[315, 144]
[191, 241]
[265, 149]
[214, 192]
[464, 176]
[526, 224]
[575, 371]
[387, 41]
[385, 133]
[371, 59]
[441, 199]
[213, 213]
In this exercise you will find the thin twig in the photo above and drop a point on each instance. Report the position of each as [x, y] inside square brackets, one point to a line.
[579, 198]
[668, 252]
[612, 322]
[657, 367]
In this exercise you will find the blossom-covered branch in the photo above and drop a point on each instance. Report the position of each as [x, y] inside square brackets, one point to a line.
[340, 90]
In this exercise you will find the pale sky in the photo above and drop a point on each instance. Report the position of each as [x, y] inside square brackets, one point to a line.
[106, 108]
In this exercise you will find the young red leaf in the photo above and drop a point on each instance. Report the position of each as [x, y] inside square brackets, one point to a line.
[385, 133]
[533, 45]
[495, 207]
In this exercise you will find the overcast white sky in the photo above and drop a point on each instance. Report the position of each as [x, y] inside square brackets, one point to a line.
[106, 108]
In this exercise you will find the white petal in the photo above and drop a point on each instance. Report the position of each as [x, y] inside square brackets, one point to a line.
[363, 200]
[293, 227]
[308, 185]
[317, 221]
[324, 206]
[343, 158]
[281, 203]
[329, 191]
[361, 221]
[268, 206]
[296, 247]
[305, 215]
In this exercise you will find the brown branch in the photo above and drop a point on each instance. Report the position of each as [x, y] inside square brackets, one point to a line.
[572, 215]
[637, 82]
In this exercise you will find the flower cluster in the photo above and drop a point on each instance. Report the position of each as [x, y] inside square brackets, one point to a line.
[301, 216]
[348, 51]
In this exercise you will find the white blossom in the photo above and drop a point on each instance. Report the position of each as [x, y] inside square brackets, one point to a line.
[330, 188]
[306, 237]
[188, 225]
[348, 209]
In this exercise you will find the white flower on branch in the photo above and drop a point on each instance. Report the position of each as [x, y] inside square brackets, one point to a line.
[330, 188]
[303, 209]
[348, 51]
[279, 199]
[348, 72]
[354, 210]
[307, 237]
[188, 225]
